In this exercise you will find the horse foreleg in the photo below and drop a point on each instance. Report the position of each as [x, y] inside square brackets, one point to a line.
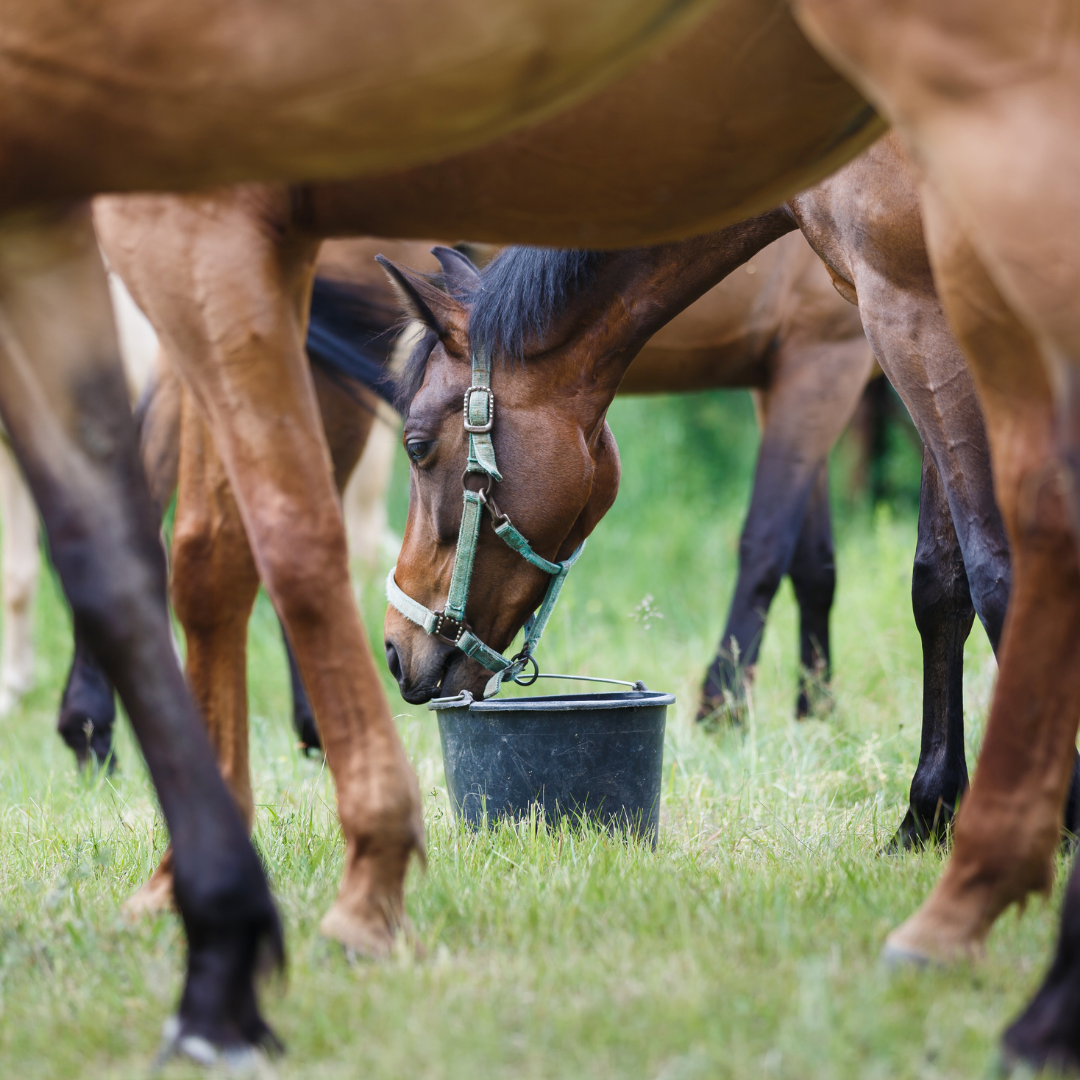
[21, 569]
[811, 398]
[243, 356]
[65, 405]
[1009, 825]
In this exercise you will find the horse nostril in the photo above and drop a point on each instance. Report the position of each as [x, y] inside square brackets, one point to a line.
[392, 661]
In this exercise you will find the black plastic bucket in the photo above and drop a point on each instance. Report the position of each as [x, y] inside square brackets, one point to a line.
[600, 755]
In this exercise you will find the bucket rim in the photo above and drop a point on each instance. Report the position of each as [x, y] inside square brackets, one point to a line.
[628, 699]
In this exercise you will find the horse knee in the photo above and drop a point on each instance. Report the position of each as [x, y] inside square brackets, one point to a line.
[116, 591]
[307, 569]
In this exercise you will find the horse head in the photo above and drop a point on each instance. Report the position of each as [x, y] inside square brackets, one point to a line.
[555, 454]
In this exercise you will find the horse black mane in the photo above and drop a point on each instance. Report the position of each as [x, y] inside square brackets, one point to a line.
[519, 293]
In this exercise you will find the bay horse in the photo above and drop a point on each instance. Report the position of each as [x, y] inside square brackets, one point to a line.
[225, 102]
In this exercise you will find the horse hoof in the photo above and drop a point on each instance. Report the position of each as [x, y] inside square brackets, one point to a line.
[895, 957]
[919, 942]
[368, 939]
[238, 1061]
[152, 898]
[9, 700]
[715, 714]
[913, 835]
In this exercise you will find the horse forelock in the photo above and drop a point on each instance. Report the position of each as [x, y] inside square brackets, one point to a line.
[519, 294]
[411, 377]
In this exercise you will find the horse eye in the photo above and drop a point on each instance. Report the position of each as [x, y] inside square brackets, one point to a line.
[418, 449]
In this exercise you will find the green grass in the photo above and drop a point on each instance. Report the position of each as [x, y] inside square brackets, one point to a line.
[746, 945]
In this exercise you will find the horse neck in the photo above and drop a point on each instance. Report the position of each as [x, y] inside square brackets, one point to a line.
[642, 289]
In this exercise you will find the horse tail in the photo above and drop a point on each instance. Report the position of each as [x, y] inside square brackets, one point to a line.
[351, 335]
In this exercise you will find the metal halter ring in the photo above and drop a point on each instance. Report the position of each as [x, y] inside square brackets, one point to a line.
[483, 492]
[529, 659]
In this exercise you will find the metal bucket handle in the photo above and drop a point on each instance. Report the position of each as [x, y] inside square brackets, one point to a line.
[466, 698]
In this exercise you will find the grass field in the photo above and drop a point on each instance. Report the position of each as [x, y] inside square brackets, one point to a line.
[746, 945]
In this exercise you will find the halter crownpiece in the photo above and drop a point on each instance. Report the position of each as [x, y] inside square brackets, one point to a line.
[449, 625]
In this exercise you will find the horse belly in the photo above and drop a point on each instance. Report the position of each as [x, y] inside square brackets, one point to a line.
[731, 120]
[153, 94]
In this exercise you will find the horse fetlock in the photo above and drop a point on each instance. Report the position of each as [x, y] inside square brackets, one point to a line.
[384, 806]
[956, 918]
[369, 912]
[219, 1007]
[815, 695]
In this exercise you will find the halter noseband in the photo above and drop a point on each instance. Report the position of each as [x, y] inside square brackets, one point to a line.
[449, 625]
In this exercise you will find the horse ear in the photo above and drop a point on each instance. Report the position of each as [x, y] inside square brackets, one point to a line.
[458, 269]
[426, 302]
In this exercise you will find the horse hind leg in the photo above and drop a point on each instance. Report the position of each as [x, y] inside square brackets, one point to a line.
[88, 709]
[1009, 825]
[814, 391]
[813, 577]
[65, 405]
[944, 615]
[213, 588]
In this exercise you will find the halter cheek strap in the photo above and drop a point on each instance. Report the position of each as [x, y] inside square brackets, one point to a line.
[449, 624]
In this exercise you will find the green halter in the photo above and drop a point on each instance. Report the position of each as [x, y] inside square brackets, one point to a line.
[449, 624]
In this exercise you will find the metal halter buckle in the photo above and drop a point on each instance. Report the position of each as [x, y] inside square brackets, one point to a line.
[447, 628]
[480, 429]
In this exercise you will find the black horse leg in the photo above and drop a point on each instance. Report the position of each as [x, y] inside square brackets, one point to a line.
[813, 575]
[1046, 1034]
[770, 534]
[64, 402]
[303, 714]
[944, 614]
[814, 389]
[88, 709]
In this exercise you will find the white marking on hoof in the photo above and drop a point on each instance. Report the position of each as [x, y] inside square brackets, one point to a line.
[240, 1061]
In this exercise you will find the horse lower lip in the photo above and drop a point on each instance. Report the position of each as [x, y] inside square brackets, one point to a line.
[448, 663]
